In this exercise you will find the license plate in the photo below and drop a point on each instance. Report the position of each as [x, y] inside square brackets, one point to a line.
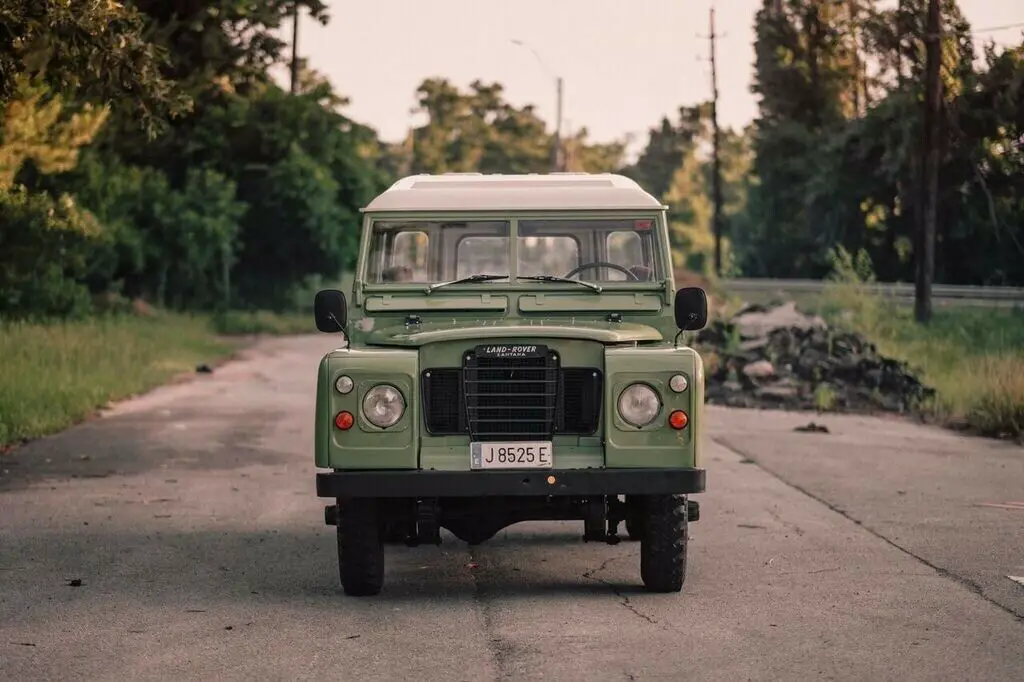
[536, 455]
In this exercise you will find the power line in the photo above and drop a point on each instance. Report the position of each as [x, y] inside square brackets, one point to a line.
[992, 29]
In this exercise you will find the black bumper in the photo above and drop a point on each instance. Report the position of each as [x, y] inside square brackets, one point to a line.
[405, 483]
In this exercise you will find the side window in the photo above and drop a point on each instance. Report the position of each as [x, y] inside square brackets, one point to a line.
[408, 261]
[482, 255]
[624, 248]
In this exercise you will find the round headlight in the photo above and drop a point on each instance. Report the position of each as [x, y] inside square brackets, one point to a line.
[383, 405]
[344, 384]
[639, 405]
[678, 383]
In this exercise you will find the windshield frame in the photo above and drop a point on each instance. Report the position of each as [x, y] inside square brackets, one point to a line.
[664, 283]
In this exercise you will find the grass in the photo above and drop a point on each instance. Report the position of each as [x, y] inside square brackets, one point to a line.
[973, 357]
[55, 375]
[237, 322]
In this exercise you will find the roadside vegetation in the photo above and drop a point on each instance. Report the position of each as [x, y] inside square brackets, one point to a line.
[973, 357]
[58, 373]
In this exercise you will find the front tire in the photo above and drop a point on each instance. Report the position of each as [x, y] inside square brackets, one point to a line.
[360, 548]
[663, 541]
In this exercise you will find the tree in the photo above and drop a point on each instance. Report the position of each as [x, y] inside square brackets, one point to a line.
[94, 52]
[667, 145]
[230, 43]
[36, 129]
[44, 250]
[479, 131]
[852, 176]
[675, 167]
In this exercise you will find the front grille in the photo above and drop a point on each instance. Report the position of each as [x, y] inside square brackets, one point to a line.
[511, 398]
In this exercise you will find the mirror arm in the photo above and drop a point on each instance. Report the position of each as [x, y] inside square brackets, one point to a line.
[341, 327]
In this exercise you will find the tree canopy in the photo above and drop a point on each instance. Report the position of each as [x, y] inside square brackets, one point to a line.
[146, 151]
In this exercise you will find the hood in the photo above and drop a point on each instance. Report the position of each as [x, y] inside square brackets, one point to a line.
[453, 330]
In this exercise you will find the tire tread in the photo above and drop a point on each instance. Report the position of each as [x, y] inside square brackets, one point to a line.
[663, 544]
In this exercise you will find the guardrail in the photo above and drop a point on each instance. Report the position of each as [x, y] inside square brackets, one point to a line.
[902, 291]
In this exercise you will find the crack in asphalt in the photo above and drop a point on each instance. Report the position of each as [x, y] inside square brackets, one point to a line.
[967, 583]
[626, 603]
[501, 650]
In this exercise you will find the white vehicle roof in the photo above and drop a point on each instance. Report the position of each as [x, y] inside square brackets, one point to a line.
[530, 192]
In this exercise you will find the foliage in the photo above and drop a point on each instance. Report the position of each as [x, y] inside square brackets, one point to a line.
[836, 145]
[974, 358]
[44, 248]
[222, 42]
[92, 51]
[175, 247]
[240, 199]
[35, 130]
[676, 166]
[301, 168]
[478, 131]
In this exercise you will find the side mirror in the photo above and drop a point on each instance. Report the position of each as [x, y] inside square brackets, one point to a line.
[691, 309]
[331, 311]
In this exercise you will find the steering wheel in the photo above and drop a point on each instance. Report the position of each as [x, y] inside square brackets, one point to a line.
[601, 264]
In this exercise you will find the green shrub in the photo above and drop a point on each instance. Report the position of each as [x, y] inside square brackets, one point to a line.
[44, 250]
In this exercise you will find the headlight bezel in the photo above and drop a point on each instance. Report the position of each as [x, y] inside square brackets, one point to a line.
[643, 385]
[371, 392]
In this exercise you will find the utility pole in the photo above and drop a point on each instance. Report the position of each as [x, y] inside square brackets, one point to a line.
[295, 47]
[557, 157]
[716, 179]
[930, 166]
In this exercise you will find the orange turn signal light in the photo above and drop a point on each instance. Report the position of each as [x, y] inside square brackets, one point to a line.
[344, 421]
[678, 420]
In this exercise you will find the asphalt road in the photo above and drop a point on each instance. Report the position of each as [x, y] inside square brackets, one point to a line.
[190, 518]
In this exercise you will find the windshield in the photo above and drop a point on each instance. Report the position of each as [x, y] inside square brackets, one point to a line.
[587, 249]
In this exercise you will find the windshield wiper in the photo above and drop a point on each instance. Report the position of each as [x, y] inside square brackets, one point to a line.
[465, 280]
[556, 278]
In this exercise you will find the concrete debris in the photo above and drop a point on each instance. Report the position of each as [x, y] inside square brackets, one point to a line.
[775, 356]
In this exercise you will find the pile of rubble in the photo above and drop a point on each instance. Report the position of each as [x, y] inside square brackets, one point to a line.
[775, 356]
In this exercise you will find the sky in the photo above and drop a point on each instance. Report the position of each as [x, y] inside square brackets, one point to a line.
[624, 64]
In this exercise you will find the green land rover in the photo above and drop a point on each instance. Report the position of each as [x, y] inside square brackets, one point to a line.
[511, 352]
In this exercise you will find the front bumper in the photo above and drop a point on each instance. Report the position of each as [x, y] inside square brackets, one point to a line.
[575, 482]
